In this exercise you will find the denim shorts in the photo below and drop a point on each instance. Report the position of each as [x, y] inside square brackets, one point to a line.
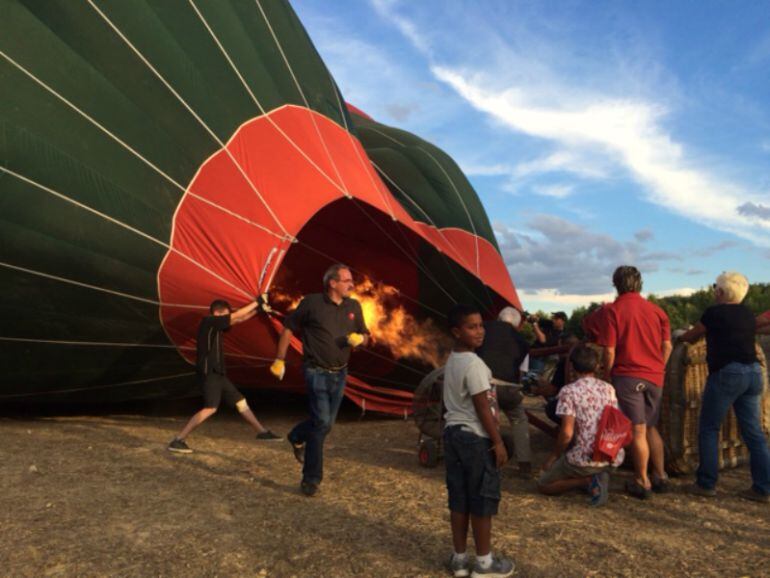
[472, 478]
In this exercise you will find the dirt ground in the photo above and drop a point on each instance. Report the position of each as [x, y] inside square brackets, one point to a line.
[99, 495]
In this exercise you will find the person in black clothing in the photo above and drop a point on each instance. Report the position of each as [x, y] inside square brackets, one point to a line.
[503, 350]
[332, 325]
[550, 333]
[735, 379]
[210, 368]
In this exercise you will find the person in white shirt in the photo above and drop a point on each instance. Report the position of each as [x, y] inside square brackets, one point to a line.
[581, 404]
[473, 449]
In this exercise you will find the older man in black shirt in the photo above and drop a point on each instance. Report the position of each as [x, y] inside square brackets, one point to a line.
[332, 324]
[504, 349]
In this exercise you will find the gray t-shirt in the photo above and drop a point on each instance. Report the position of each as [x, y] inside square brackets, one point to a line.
[465, 375]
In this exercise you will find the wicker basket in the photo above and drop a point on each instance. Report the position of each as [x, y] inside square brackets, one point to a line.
[686, 376]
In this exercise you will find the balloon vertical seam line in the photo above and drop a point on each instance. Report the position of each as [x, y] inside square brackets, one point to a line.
[189, 108]
[417, 205]
[124, 144]
[121, 224]
[261, 108]
[459, 197]
[438, 230]
[304, 98]
[387, 136]
[103, 386]
[236, 215]
[93, 121]
[415, 263]
[95, 343]
[97, 288]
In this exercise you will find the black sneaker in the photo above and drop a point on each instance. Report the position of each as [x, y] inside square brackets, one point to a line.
[661, 485]
[309, 488]
[633, 488]
[755, 495]
[299, 451]
[698, 490]
[268, 436]
[179, 447]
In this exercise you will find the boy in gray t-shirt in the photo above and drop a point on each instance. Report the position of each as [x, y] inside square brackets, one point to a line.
[473, 448]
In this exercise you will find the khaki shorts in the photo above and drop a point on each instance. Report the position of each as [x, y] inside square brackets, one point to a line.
[563, 470]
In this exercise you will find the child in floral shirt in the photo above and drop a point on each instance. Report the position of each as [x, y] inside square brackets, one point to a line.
[581, 404]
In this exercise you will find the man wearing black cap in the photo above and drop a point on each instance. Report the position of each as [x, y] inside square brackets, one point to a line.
[553, 333]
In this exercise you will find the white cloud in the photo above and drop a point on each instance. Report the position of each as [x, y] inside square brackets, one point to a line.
[554, 191]
[630, 133]
[679, 291]
[564, 161]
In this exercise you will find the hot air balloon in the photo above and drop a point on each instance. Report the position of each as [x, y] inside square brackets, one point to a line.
[156, 155]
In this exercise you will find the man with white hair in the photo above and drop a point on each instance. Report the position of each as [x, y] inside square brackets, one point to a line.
[735, 380]
[504, 350]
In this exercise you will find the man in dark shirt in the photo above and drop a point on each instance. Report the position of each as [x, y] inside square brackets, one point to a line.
[332, 324]
[550, 334]
[210, 367]
[503, 350]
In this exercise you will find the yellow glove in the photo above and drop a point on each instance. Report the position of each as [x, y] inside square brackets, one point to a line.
[278, 368]
[355, 339]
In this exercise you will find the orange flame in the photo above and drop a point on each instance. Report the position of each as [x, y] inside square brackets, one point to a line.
[390, 324]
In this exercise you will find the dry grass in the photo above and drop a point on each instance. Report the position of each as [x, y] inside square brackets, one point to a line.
[100, 495]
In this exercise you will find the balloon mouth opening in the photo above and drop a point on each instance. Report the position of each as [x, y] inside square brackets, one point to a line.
[404, 284]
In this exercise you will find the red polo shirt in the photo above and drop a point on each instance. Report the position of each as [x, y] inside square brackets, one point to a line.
[636, 329]
[594, 323]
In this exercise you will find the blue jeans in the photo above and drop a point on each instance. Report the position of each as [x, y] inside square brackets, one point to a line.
[324, 395]
[738, 385]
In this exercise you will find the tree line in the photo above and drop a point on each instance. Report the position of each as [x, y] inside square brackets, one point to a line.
[683, 311]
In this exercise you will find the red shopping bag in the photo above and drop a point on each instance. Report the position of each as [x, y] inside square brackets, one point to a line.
[614, 432]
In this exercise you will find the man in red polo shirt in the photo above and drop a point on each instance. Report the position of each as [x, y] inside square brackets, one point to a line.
[637, 338]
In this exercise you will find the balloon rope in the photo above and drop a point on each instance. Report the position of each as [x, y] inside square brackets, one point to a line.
[440, 232]
[259, 104]
[392, 240]
[125, 226]
[194, 114]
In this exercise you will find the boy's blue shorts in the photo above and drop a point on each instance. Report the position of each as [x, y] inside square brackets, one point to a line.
[472, 478]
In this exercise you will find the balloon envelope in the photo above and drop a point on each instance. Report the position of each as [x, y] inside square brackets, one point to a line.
[158, 155]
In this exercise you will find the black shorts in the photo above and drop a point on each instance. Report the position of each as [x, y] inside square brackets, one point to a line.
[215, 387]
[472, 478]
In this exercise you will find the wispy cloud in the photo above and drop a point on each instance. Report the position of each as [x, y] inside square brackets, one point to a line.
[557, 255]
[586, 115]
[631, 133]
[712, 249]
[644, 235]
[554, 191]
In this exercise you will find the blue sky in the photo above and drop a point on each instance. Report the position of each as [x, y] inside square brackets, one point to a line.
[596, 133]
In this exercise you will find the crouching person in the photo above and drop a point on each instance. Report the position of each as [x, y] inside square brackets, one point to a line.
[580, 406]
[474, 451]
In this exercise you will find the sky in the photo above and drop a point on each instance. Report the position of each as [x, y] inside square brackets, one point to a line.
[596, 133]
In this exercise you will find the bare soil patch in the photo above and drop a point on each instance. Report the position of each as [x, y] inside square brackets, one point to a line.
[99, 495]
